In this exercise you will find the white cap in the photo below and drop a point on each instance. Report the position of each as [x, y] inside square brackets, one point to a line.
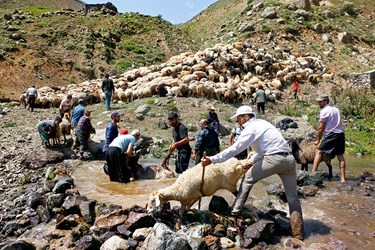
[243, 110]
[135, 132]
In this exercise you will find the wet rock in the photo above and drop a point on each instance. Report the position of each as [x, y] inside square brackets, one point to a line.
[306, 179]
[11, 227]
[80, 231]
[68, 222]
[87, 242]
[43, 213]
[212, 242]
[308, 190]
[18, 245]
[111, 220]
[54, 200]
[218, 205]
[226, 243]
[139, 220]
[162, 237]
[220, 230]
[115, 242]
[63, 183]
[141, 233]
[277, 189]
[88, 211]
[123, 231]
[262, 230]
[72, 203]
[41, 158]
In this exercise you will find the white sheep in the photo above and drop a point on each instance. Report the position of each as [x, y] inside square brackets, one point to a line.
[187, 188]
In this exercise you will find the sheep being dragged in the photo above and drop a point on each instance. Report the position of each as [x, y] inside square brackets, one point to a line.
[304, 154]
[187, 188]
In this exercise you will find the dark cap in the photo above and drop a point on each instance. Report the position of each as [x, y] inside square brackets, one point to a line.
[116, 114]
[69, 96]
[172, 115]
[322, 97]
[81, 101]
[88, 110]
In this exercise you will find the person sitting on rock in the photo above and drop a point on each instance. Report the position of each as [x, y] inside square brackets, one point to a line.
[47, 130]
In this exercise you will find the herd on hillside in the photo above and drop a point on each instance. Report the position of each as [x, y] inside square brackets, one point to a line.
[226, 72]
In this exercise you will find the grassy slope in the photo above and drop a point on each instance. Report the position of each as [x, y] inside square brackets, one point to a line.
[53, 4]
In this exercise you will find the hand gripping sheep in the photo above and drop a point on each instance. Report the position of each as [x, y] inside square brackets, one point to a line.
[187, 188]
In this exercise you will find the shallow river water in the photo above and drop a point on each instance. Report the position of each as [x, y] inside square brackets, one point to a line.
[340, 215]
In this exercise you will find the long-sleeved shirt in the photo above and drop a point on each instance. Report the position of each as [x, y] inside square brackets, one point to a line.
[214, 120]
[111, 133]
[32, 91]
[84, 124]
[107, 85]
[77, 113]
[261, 136]
[207, 138]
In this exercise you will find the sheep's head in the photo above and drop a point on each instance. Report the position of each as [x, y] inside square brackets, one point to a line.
[153, 201]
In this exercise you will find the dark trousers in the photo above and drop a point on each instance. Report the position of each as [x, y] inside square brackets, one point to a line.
[81, 140]
[31, 102]
[260, 107]
[182, 161]
[117, 165]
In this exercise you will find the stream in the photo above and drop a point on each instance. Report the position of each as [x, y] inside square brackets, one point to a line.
[339, 215]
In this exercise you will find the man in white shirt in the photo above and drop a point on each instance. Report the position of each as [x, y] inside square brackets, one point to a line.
[66, 105]
[31, 95]
[272, 156]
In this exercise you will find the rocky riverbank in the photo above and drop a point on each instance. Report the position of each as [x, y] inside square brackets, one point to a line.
[40, 208]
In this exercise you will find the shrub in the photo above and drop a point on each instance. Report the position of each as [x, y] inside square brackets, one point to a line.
[123, 65]
[349, 10]
[171, 107]
[8, 124]
[266, 29]
[150, 101]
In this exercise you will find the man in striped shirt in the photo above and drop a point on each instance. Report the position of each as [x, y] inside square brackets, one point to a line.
[83, 131]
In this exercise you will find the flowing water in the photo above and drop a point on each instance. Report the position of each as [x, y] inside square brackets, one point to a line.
[340, 215]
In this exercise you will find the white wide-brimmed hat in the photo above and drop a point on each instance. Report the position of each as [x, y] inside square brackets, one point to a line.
[243, 110]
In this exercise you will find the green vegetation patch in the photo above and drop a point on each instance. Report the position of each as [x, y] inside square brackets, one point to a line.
[37, 10]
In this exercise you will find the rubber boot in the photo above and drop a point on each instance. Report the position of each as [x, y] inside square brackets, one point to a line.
[296, 223]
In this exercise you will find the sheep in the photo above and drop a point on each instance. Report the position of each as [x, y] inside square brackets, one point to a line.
[65, 126]
[305, 154]
[187, 188]
[23, 100]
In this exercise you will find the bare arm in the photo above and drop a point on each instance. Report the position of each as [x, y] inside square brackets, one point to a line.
[231, 137]
[320, 132]
[174, 145]
[129, 151]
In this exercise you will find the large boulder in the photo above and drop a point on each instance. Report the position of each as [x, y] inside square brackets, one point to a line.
[162, 237]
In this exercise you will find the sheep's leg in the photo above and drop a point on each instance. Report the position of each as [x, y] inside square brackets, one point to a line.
[65, 141]
[330, 175]
[305, 167]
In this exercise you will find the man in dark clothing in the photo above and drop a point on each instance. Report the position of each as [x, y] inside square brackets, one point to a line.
[213, 119]
[47, 129]
[108, 90]
[181, 142]
[207, 142]
[111, 131]
[31, 95]
[260, 99]
[83, 131]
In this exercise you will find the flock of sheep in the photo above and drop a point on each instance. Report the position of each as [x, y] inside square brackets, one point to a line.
[226, 72]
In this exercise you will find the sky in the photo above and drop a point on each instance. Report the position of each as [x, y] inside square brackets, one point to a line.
[174, 11]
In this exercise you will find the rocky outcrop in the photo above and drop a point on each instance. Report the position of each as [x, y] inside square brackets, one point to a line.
[362, 80]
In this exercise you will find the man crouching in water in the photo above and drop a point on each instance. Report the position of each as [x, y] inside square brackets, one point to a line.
[273, 156]
[117, 155]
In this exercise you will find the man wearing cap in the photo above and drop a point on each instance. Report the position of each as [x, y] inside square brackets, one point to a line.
[83, 131]
[331, 137]
[111, 131]
[272, 156]
[47, 129]
[77, 112]
[207, 141]
[66, 105]
[108, 90]
[117, 154]
[213, 119]
[181, 142]
[31, 95]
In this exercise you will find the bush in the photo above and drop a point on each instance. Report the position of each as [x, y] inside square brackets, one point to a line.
[123, 65]
[349, 10]
[150, 102]
[266, 29]
[8, 124]
[171, 107]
